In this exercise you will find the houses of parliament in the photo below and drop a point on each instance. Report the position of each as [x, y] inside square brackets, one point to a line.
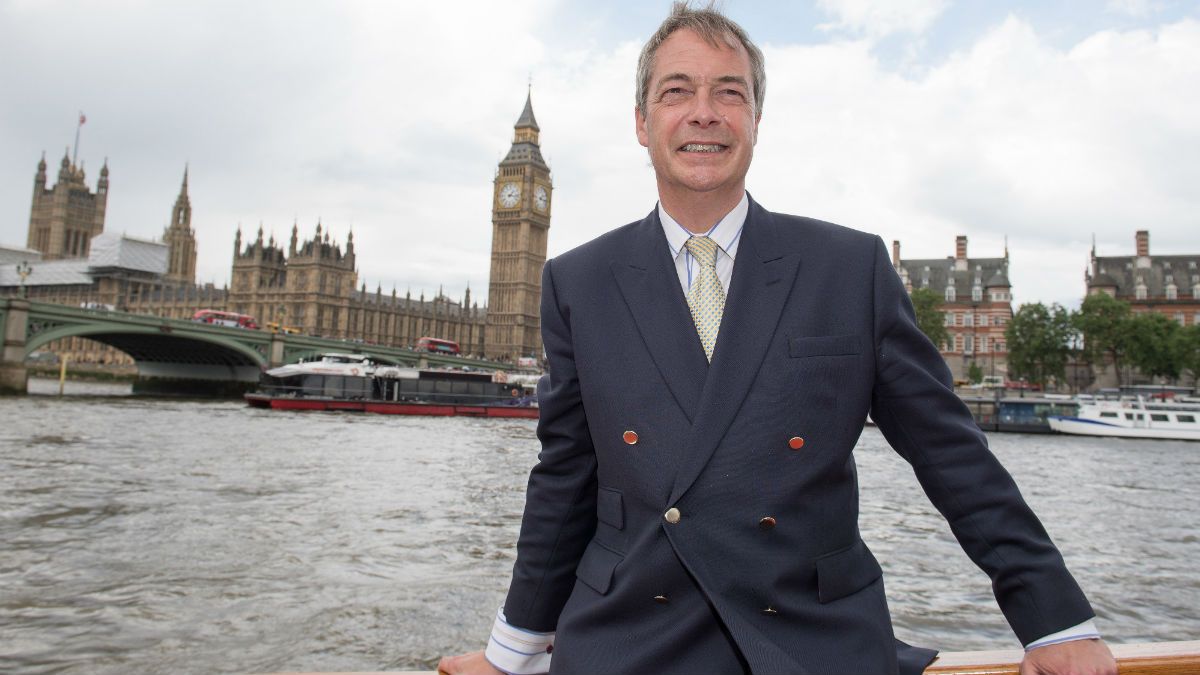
[309, 284]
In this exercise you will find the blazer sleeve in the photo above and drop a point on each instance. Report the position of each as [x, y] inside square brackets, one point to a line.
[914, 405]
[560, 503]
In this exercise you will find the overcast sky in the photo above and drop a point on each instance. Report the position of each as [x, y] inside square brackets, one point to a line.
[1044, 122]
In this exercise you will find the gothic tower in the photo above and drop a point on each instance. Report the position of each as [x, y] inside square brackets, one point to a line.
[65, 218]
[520, 224]
[181, 238]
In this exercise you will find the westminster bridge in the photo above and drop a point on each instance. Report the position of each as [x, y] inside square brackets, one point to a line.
[180, 351]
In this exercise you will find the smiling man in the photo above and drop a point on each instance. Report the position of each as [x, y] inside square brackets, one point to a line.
[695, 504]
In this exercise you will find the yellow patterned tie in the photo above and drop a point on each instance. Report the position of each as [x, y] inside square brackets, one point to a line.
[706, 297]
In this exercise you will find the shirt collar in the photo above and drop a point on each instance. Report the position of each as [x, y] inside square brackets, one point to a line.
[727, 233]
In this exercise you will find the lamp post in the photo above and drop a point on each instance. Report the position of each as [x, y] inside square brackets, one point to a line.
[24, 269]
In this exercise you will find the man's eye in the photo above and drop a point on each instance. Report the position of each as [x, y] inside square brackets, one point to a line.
[674, 92]
[731, 93]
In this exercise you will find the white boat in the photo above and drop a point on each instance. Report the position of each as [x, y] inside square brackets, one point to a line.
[1132, 418]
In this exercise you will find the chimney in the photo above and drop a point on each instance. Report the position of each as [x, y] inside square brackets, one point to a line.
[896, 253]
[1143, 243]
[960, 252]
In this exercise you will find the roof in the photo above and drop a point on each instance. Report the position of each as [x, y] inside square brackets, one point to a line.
[16, 256]
[1155, 273]
[937, 273]
[526, 120]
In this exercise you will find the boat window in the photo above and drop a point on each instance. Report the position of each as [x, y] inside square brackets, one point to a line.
[333, 385]
[1109, 414]
[1186, 418]
[1128, 416]
[1158, 417]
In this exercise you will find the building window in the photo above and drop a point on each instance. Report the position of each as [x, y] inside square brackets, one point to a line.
[983, 343]
[950, 295]
[968, 319]
[1180, 319]
[1172, 292]
[1140, 291]
[969, 341]
[983, 320]
[1196, 291]
[949, 318]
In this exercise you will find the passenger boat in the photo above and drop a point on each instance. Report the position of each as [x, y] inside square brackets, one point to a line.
[1027, 414]
[1133, 418]
[353, 382]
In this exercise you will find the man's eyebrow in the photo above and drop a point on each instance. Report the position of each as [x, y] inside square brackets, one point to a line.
[673, 76]
[733, 79]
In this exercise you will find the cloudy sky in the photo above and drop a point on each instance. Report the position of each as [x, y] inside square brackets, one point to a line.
[1046, 122]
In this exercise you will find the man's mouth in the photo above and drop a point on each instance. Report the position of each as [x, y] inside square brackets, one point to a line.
[704, 147]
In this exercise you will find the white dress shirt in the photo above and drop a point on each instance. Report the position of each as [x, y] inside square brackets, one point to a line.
[520, 652]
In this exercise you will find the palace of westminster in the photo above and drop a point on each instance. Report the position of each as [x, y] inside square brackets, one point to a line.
[310, 286]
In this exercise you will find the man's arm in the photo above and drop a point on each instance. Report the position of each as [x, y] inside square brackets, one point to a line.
[915, 407]
[560, 511]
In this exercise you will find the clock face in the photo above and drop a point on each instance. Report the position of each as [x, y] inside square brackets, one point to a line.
[541, 199]
[509, 194]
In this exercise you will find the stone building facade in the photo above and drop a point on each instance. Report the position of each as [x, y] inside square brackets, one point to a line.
[64, 219]
[977, 304]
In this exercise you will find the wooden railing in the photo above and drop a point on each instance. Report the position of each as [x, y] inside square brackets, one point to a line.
[1153, 658]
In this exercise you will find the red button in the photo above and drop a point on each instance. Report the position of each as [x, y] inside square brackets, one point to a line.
[630, 437]
[796, 443]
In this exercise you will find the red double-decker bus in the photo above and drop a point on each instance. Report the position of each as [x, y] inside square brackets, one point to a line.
[438, 346]
[217, 317]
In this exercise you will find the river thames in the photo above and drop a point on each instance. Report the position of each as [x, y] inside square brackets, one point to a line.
[155, 535]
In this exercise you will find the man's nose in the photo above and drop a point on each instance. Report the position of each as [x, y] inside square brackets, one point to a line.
[703, 113]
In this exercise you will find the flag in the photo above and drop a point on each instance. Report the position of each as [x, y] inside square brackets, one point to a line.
[82, 118]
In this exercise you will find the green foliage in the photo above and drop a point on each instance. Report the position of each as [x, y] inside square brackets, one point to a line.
[1039, 342]
[930, 319]
[975, 373]
[1151, 344]
[1187, 350]
[1105, 324]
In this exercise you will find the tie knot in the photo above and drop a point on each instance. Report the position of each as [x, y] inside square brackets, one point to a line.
[703, 249]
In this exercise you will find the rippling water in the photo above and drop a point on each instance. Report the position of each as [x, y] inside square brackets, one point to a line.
[157, 535]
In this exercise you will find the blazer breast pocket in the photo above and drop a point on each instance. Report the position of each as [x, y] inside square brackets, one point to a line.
[825, 345]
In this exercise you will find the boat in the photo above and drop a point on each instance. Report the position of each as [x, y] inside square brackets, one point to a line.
[1133, 418]
[353, 382]
[1019, 414]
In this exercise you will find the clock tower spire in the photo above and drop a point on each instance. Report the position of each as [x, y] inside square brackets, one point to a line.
[520, 224]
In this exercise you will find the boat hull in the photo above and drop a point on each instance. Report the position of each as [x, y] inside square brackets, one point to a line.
[1086, 427]
[391, 407]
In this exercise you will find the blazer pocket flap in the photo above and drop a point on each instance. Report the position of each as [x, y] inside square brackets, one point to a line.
[827, 345]
[846, 571]
[596, 567]
[609, 508]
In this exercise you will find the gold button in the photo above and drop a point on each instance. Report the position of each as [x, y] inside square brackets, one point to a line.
[630, 437]
[795, 442]
[661, 599]
[767, 523]
[672, 515]
[770, 611]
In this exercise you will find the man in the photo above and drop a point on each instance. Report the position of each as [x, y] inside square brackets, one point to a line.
[694, 509]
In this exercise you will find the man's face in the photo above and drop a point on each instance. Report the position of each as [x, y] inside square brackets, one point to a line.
[700, 126]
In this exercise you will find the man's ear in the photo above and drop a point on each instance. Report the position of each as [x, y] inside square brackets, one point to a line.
[639, 121]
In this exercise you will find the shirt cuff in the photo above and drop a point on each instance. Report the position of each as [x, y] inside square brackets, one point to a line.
[517, 651]
[1084, 631]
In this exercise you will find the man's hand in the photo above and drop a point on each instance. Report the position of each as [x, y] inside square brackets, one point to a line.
[475, 664]
[1078, 657]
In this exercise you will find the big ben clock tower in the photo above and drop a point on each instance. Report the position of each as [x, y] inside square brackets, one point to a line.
[520, 223]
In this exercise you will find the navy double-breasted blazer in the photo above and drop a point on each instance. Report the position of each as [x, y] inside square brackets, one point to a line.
[817, 332]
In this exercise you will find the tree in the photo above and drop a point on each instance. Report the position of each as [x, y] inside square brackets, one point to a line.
[1187, 351]
[1104, 322]
[1152, 345]
[975, 373]
[1039, 342]
[930, 319]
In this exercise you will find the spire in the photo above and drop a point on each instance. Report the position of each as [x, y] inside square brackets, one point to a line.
[295, 239]
[183, 188]
[527, 120]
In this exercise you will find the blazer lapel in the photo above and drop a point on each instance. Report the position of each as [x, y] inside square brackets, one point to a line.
[650, 286]
[763, 274]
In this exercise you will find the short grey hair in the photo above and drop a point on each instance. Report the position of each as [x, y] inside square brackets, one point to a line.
[717, 30]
